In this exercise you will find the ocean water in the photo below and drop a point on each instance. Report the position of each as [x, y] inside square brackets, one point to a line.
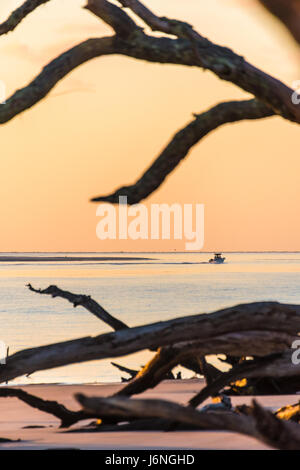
[164, 286]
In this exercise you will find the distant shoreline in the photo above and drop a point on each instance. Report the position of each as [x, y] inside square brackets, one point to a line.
[5, 259]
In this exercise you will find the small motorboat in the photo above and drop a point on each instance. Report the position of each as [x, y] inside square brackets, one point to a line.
[217, 259]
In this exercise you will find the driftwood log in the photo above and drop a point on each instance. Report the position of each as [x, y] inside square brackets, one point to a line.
[256, 329]
[261, 331]
[66, 417]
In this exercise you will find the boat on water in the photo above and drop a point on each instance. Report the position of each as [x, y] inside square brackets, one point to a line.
[217, 259]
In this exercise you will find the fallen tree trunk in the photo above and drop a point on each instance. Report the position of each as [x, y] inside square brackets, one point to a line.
[160, 367]
[258, 422]
[249, 329]
[132, 408]
[136, 339]
[239, 371]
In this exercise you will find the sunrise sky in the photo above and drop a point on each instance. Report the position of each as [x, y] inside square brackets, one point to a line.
[103, 124]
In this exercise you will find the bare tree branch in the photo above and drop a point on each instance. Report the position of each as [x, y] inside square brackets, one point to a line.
[131, 408]
[19, 14]
[51, 74]
[182, 51]
[97, 310]
[259, 423]
[283, 435]
[225, 64]
[85, 301]
[169, 26]
[288, 12]
[165, 359]
[289, 412]
[179, 146]
[131, 372]
[238, 371]
[154, 371]
[121, 23]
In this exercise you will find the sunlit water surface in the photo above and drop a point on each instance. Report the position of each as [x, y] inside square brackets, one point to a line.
[168, 285]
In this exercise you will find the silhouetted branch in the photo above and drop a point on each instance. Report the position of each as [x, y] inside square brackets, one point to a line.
[92, 306]
[177, 28]
[121, 23]
[182, 142]
[154, 371]
[131, 372]
[67, 417]
[255, 329]
[258, 422]
[188, 49]
[57, 69]
[19, 14]
[239, 371]
[84, 301]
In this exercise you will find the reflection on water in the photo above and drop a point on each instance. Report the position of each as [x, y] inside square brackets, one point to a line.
[137, 292]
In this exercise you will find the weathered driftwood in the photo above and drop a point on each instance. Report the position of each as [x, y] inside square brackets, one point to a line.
[194, 363]
[19, 14]
[3, 440]
[259, 422]
[258, 329]
[131, 408]
[130, 40]
[66, 417]
[239, 371]
[283, 435]
[96, 309]
[160, 366]
[133, 373]
[147, 424]
[275, 366]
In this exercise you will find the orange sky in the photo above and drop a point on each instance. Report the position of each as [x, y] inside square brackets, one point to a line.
[99, 129]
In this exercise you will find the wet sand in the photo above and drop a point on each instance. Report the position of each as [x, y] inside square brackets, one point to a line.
[15, 415]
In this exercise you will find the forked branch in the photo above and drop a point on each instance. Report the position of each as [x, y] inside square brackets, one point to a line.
[258, 423]
[180, 145]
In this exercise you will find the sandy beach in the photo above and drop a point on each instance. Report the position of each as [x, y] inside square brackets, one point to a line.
[38, 430]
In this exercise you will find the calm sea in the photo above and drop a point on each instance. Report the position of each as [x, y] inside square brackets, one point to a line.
[167, 285]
